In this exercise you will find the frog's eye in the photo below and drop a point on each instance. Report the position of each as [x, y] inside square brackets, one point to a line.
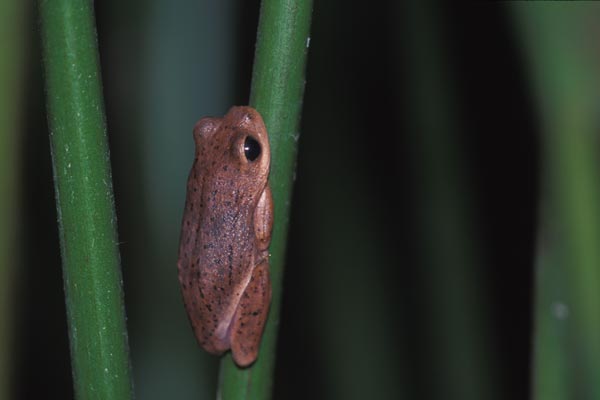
[251, 148]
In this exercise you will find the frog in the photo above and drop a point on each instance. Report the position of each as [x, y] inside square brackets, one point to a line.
[223, 263]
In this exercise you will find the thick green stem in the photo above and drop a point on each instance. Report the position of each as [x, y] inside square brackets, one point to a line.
[84, 197]
[563, 58]
[277, 92]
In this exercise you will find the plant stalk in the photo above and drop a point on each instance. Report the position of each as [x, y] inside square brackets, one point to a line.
[84, 199]
[277, 92]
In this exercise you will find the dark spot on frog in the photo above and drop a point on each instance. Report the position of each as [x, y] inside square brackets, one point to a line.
[225, 168]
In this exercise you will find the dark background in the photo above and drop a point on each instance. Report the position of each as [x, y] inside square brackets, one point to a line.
[411, 244]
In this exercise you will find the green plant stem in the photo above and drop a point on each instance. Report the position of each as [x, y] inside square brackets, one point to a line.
[461, 360]
[277, 92]
[12, 52]
[84, 197]
[564, 64]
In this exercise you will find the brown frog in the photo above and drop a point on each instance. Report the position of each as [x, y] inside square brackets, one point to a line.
[226, 230]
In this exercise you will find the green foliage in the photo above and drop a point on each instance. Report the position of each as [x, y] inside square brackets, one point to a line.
[567, 322]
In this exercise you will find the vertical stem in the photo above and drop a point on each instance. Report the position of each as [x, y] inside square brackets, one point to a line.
[563, 57]
[84, 197]
[12, 52]
[277, 92]
[461, 359]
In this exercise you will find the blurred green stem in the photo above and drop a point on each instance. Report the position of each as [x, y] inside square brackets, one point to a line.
[560, 44]
[84, 198]
[12, 50]
[461, 362]
[277, 92]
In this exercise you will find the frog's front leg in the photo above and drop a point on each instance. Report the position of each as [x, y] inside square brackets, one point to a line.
[263, 219]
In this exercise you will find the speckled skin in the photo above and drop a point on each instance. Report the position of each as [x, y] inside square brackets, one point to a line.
[223, 252]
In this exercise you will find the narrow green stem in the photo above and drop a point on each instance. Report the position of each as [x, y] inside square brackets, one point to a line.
[564, 65]
[463, 363]
[84, 198]
[277, 92]
[11, 74]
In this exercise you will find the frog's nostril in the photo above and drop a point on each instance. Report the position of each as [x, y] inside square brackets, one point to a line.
[251, 148]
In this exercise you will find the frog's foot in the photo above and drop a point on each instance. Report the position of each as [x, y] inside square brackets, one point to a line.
[250, 316]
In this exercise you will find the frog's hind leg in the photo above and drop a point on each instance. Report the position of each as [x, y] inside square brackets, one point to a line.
[250, 317]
